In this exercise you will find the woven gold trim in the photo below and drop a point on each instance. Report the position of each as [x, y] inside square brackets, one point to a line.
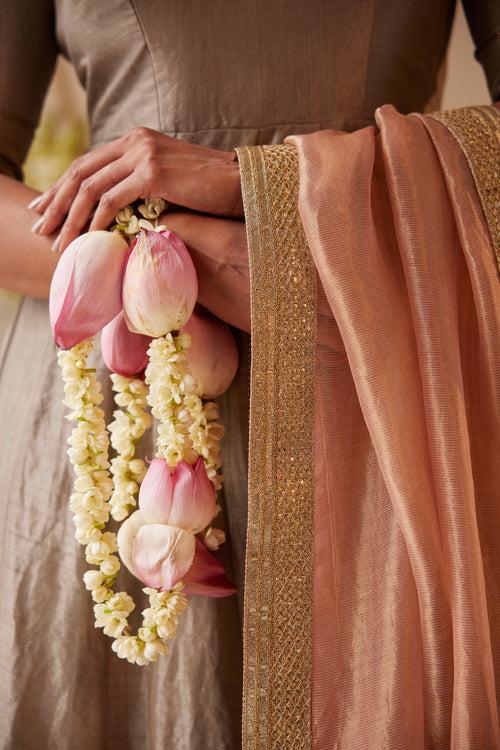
[477, 130]
[279, 557]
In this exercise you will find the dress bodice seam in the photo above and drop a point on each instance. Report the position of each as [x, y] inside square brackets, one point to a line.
[152, 60]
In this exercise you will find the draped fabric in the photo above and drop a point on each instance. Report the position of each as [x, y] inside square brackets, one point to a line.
[399, 641]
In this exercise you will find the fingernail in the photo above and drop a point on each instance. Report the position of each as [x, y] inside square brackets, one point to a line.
[57, 242]
[34, 203]
[37, 225]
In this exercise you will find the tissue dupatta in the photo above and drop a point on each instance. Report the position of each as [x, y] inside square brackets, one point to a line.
[372, 614]
[278, 573]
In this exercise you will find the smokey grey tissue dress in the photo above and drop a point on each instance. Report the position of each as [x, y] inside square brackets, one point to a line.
[222, 74]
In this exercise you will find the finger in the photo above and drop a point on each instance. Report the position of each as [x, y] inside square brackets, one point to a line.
[219, 251]
[63, 196]
[119, 196]
[42, 201]
[90, 192]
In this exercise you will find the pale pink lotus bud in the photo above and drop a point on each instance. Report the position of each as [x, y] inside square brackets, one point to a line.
[160, 285]
[183, 497]
[86, 288]
[158, 554]
[162, 555]
[206, 576]
[124, 352]
[213, 356]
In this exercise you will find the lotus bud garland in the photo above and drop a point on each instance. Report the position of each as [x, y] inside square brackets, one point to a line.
[124, 352]
[160, 285]
[164, 356]
[86, 288]
[212, 357]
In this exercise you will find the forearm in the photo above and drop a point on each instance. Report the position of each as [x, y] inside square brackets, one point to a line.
[26, 259]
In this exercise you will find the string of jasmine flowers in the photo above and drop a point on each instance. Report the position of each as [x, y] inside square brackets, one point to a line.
[129, 224]
[188, 427]
[131, 420]
[90, 503]
[130, 423]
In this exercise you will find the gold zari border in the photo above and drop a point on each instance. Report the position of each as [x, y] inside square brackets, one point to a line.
[279, 557]
[477, 130]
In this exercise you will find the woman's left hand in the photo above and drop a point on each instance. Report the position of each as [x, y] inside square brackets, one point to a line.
[142, 164]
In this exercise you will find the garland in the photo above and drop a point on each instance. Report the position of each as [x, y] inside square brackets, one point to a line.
[187, 428]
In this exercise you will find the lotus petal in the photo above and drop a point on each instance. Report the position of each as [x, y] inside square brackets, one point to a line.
[125, 539]
[86, 288]
[206, 576]
[124, 352]
[162, 555]
[213, 356]
[193, 497]
[155, 495]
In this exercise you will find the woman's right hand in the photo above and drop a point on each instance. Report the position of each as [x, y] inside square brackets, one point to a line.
[142, 164]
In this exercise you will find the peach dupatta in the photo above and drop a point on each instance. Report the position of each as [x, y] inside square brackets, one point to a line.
[372, 602]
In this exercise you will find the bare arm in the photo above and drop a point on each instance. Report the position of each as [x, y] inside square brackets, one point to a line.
[26, 259]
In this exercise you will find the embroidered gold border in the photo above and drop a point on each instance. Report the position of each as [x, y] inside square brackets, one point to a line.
[279, 558]
[477, 130]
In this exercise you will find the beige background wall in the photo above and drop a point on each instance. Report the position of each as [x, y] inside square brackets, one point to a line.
[465, 82]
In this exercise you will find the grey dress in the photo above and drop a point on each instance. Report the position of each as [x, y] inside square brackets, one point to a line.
[223, 74]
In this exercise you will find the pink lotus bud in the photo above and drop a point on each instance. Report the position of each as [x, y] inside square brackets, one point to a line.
[160, 285]
[157, 554]
[212, 357]
[183, 497]
[124, 352]
[206, 576]
[86, 288]
[160, 556]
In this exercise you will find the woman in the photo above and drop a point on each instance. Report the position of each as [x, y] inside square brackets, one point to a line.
[245, 73]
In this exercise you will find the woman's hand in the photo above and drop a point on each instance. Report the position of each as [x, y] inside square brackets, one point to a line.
[141, 164]
[219, 251]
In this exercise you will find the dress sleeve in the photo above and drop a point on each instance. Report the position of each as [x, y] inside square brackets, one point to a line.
[483, 17]
[28, 53]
